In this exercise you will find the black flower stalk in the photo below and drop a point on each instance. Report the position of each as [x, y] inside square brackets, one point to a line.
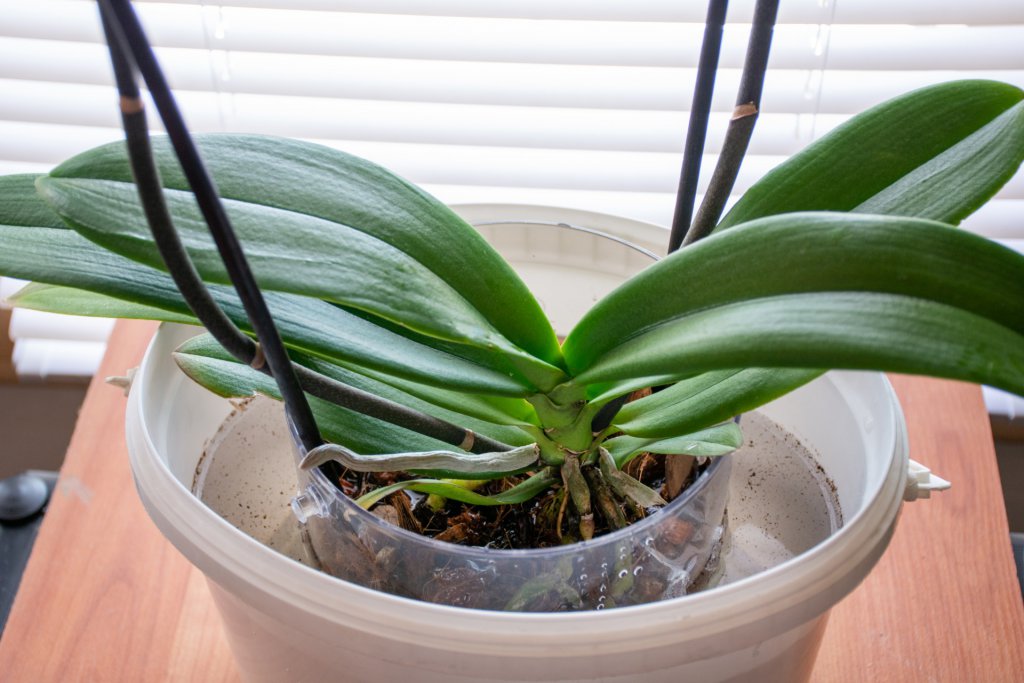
[741, 126]
[130, 54]
[697, 129]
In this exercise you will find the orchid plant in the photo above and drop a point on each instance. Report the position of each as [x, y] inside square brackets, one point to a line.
[422, 351]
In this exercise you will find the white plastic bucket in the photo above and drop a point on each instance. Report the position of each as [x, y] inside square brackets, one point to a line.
[285, 621]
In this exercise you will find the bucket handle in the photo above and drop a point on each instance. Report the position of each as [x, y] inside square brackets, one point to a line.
[921, 482]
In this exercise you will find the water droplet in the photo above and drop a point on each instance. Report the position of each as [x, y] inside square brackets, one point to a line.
[599, 607]
[583, 577]
[648, 541]
[623, 574]
[603, 588]
[638, 571]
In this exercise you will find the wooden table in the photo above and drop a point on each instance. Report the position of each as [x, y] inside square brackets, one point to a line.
[106, 598]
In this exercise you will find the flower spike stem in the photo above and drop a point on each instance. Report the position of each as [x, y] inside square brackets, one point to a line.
[295, 379]
[741, 127]
[697, 130]
[127, 34]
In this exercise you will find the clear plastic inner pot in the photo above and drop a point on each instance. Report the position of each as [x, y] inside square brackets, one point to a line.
[657, 558]
[568, 267]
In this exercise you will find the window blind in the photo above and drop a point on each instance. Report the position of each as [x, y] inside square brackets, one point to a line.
[581, 105]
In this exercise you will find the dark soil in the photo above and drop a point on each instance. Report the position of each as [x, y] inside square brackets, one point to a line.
[547, 520]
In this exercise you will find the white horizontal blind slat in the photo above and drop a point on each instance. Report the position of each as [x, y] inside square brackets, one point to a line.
[512, 126]
[559, 85]
[795, 46]
[977, 12]
[52, 359]
[27, 324]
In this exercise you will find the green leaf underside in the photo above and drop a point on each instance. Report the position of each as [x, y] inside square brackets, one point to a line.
[600, 393]
[301, 177]
[205, 347]
[497, 409]
[714, 441]
[494, 409]
[959, 181]
[530, 373]
[64, 258]
[873, 151]
[808, 252]
[707, 399]
[860, 331]
[358, 432]
[520, 493]
[21, 204]
[68, 300]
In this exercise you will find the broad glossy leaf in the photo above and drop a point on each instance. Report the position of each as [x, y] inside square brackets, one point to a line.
[288, 251]
[714, 441]
[707, 399]
[808, 252]
[861, 331]
[62, 257]
[347, 191]
[875, 150]
[291, 253]
[204, 346]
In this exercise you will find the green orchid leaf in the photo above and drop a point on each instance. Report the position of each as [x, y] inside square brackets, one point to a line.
[205, 347]
[806, 252]
[848, 330]
[351, 194]
[22, 206]
[530, 373]
[877, 161]
[296, 254]
[64, 258]
[289, 252]
[532, 487]
[60, 256]
[959, 181]
[499, 410]
[70, 301]
[714, 441]
[359, 432]
[707, 399]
